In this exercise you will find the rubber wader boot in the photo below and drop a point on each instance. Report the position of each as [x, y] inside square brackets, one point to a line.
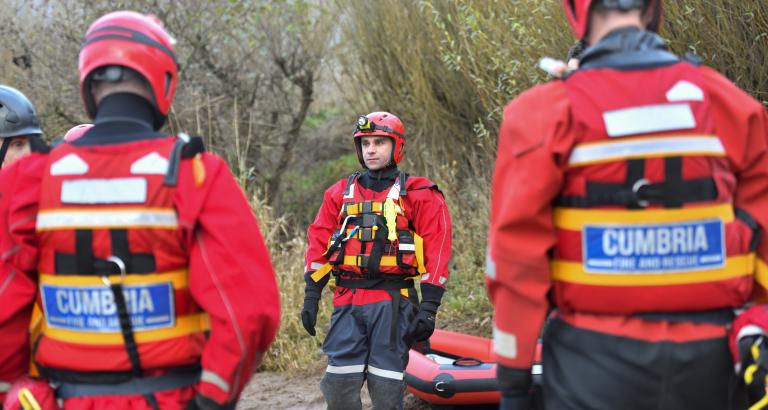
[342, 393]
[386, 394]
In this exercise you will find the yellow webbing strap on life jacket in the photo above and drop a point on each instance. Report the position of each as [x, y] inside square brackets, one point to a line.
[761, 272]
[35, 330]
[356, 260]
[357, 208]
[319, 274]
[27, 400]
[418, 242]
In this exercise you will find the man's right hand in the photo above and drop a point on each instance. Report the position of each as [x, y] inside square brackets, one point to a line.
[309, 313]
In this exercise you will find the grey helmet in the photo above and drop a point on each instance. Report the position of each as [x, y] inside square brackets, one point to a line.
[17, 114]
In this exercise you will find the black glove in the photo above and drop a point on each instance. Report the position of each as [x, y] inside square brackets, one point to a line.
[423, 325]
[309, 313]
[515, 388]
[753, 351]
[200, 402]
[312, 292]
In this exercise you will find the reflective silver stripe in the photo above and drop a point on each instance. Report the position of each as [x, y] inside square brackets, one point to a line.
[315, 265]
[648, 118]
[504, 344]
[4, 387]
[643, 147]
[490, 266]
[48, 220]
[214, 379]
[389, 374]
[407, 247]
[356, 368]
[105, 191]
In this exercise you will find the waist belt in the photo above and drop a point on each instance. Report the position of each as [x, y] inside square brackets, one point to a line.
[396, 283]
[643, 193]
[137, 386]
[716, 316]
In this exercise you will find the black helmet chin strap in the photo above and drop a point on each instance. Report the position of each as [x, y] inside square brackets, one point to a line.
[4, 149]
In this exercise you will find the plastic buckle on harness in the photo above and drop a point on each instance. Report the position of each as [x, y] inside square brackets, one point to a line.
[636, 187]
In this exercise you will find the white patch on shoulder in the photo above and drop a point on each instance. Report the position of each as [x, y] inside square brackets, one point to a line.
[70, 164]
[152, 163]
[685, 91]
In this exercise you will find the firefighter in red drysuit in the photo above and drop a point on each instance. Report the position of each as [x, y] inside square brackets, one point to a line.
[19, 130]
[376, 232]
[155, 284]
[630, 196]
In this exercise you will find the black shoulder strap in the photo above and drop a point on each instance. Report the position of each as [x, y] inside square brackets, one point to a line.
[350, 180]
[403, 178]
[184, 148]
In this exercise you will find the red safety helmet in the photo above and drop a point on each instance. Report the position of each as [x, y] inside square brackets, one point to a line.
[384, 124]
[76, 132]
[578, 12]
[135, 41]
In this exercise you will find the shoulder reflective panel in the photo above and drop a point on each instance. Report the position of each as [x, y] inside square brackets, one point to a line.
[104, 191]
[70, 164]
[685, 91]
[647, 119]
[152, 163]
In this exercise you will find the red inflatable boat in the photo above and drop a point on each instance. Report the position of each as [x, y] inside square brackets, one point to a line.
[455, 369]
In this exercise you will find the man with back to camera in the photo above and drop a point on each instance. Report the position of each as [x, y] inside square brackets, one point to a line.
[630, 195]
[376, 232]
[156, 287]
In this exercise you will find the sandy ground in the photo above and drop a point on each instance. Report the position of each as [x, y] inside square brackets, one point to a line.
[272, 390]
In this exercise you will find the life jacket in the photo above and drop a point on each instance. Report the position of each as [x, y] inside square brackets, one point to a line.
[113, 264]
[645, 219]
[374, 238]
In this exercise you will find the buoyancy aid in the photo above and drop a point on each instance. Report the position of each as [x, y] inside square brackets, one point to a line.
[374, 239]
[645, 221]
[113, 264]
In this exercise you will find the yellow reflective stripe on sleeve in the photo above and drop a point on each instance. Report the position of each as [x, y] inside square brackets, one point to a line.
[418, 242]
[321, 273]
[385, 261]
[573, 272]
[575, 219]
[179, 279]
[185, 325]
[761, 272]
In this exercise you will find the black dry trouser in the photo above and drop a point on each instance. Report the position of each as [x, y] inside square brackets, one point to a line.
[584, 369]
